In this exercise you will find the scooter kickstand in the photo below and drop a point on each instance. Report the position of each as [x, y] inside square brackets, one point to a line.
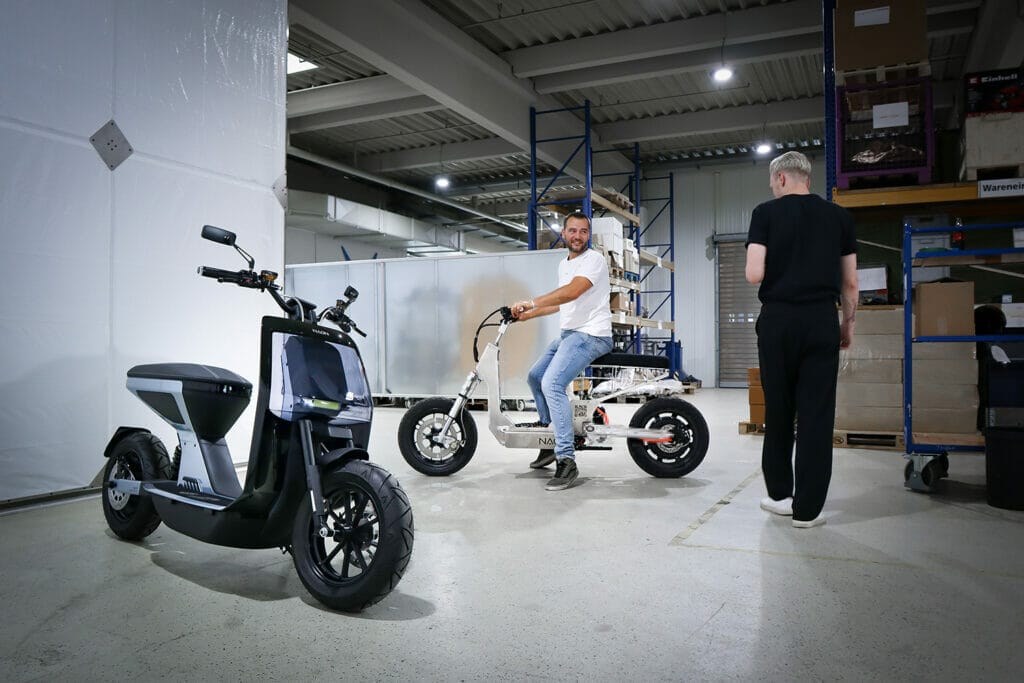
[313, 479]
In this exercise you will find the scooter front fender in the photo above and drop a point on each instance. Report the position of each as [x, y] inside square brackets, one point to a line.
[340, 456]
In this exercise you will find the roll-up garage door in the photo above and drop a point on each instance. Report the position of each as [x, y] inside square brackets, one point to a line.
[738, 308]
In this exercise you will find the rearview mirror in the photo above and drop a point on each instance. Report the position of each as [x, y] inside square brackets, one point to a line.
[215, 234]
[351, 293]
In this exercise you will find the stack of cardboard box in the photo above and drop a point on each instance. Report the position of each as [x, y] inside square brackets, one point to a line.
[869, 394]
[756, 394]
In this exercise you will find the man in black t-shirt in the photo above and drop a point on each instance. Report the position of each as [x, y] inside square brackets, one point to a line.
[803, 252]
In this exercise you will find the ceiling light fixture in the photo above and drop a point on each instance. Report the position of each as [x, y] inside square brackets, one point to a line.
[442, 182]
[763, 148]
[297, 64]
[722, 74]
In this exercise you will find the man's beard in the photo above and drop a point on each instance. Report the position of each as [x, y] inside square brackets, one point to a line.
[582, 248]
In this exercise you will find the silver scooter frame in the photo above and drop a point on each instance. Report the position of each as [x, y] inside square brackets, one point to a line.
[488, 370]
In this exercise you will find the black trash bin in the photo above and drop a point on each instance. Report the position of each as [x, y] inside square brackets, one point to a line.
[1004, 467]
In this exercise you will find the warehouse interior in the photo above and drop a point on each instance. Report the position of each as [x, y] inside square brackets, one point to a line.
[425, 153]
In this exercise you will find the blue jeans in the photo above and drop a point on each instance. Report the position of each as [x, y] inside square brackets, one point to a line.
[550, 376]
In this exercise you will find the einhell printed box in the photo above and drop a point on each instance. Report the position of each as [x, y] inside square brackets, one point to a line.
[989, 92]
[870, 33]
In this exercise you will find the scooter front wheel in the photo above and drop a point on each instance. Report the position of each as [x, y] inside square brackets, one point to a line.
[685, 450]
[140, 457]
[370, 541]
[417, 438]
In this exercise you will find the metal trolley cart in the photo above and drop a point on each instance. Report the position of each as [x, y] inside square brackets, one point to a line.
[929, 462]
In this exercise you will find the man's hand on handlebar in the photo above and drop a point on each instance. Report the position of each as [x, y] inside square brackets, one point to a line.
[521, 307]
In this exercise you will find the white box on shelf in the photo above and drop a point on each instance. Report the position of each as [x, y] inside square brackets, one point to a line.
[605, 225]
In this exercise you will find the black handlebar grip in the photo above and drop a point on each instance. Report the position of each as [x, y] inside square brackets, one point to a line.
[506, 315]
[218, 273]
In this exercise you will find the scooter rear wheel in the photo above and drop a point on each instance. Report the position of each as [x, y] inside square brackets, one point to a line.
[689, 443]
[141, 457]
[415, 438]
[370, 545]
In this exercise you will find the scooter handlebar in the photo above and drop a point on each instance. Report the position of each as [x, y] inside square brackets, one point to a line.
[506, 315]
[218, 274]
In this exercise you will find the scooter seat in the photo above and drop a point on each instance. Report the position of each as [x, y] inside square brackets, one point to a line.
[632, 360]
[191, 372]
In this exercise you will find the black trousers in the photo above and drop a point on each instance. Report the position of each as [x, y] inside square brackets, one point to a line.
[798, 347]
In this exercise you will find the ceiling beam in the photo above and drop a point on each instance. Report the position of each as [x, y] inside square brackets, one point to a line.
[713, 120]
[421, 49]
[701, 60]
[794, 18]
[955, 20]
[353, 93]
[437, 155]
[417, 104]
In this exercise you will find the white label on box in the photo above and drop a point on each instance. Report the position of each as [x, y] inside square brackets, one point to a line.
[1018, 238]
[1010, 187]
[871, 279]
[876, 16]
[891, 115]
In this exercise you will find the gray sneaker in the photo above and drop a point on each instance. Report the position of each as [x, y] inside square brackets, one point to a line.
[565, 475]
[544, 458]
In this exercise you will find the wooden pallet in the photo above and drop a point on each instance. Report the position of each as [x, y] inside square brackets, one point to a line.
[882, 74]
[691, 387]
[751, 428]
[884, 441]
[1005, 172]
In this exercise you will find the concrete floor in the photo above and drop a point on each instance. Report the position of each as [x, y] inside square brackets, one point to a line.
[623, 576]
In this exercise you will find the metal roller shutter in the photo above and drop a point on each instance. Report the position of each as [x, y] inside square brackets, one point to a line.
[738, 308]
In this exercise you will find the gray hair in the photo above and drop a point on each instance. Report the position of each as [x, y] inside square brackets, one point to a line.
[790, 162]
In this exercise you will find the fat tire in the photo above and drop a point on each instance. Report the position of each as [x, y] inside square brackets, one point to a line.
[146, 459]
[407, 441]
[395, 539]
[658, 461]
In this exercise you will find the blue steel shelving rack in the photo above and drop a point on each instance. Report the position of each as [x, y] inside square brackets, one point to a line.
[665, 251]
[929, 461]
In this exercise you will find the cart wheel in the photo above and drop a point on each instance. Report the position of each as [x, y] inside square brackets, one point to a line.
[931, 473]
[908, 470]
[943, 465]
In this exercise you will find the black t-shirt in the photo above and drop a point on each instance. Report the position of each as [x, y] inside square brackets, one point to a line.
[805, 237]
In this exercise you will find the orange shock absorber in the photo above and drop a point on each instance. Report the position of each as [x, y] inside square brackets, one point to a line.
[600, 416]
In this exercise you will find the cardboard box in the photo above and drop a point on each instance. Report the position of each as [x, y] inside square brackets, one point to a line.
[946, 371]
[755, 396]
[930, 395]
[873, 347]
[620, 301]
[945, 420]
[868, 419]
[943, 350]
[754, 377]
[757, 413]
[605, 225]
[943, 308]
[877, 321]
[992, 140]
[871, 33]
[609, 242]
[853, 394]
[854, 370]
[993, 91]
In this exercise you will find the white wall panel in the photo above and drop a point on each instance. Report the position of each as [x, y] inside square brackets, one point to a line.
[54, 312]
[101, 265]
[57, 62]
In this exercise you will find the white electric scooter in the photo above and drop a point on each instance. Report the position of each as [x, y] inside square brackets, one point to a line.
[667, 436]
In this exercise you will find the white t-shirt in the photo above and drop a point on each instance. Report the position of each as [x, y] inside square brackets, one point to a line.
[589, 313]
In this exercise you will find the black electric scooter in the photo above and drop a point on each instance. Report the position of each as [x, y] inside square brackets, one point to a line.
[309, 486]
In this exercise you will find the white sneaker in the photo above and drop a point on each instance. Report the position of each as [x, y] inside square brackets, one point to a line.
[807, 524]
[778, 507]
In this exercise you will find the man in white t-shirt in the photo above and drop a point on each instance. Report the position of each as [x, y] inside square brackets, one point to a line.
[586, 321]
